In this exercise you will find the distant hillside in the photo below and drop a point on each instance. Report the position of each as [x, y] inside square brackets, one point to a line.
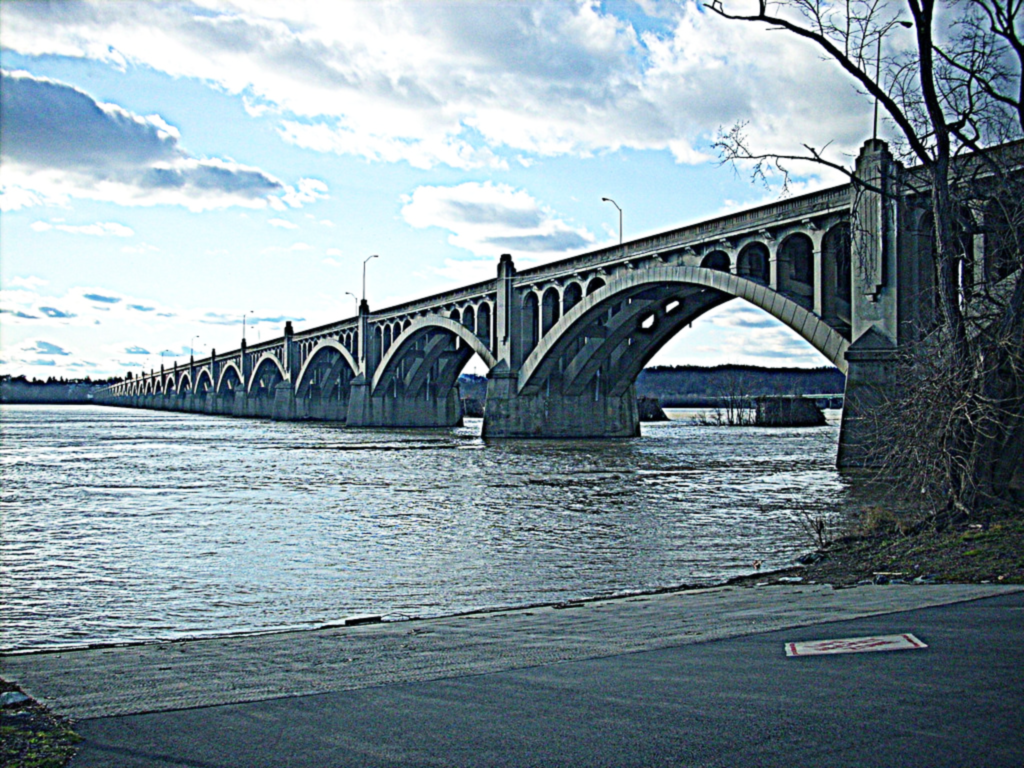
[690, 384]
[22, 391]
[696, 385]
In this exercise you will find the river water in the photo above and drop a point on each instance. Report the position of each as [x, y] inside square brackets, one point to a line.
[126, 525]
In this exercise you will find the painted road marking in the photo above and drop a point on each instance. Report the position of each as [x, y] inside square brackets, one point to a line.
[902, 642]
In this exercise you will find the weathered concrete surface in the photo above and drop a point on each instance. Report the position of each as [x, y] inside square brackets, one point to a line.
[165, 676]
[733, 702]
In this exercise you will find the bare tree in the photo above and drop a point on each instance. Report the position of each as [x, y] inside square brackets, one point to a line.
[953, 102]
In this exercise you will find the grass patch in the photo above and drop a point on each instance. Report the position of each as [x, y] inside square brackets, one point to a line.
[32, 737]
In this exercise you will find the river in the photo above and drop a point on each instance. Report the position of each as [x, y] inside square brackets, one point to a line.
[127, 525]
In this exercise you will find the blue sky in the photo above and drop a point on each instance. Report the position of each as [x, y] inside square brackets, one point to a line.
[168, 168]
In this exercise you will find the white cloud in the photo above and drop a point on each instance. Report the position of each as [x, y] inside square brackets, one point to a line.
[432, 84]
[99, 229]
[283, 224]
[60, 143]
[488, 219]
[31, 282]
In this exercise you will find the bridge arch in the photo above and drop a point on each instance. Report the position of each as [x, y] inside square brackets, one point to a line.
[435, 334]
[204, 381]
[326, 349]
[608, 337]
[266, 362]
[185, 378]
[230, 379]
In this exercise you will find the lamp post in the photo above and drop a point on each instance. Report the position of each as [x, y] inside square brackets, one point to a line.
[878, 70]
[609, 200]
[243, 324]
[354, 299]
[367, 259]
[192, 347]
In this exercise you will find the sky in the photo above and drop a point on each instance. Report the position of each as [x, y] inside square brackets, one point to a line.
[172, 169]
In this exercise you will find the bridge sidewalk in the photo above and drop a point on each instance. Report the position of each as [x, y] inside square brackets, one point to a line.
[639, 684]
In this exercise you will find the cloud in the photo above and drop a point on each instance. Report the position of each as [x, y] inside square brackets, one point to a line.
[102, 299]
[26, 282]
[736, 315]
[59, 142]
[53, 312]
[431, 84]
[99, 229]
[140, 249]
[487, 218]
[282, 224]
[136, 350]
[46, 348]
[19, 314]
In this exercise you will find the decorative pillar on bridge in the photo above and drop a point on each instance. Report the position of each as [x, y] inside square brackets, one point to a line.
[874, 303]
[283, 408]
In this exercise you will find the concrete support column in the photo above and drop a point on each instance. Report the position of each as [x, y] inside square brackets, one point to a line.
[505, 315]
[508, 413]
[381, 410]
[773, 264]
[819, 276]
[870, 379]
[283, 406]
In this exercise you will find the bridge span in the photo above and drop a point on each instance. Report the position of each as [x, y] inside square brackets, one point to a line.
[849, 271]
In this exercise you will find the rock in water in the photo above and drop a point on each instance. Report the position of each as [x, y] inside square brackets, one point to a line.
[650, 409]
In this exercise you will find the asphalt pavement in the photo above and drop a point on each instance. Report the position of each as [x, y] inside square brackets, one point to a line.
[737, 701]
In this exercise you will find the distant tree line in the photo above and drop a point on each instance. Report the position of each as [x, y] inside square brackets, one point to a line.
[698, 386]
[54, 390]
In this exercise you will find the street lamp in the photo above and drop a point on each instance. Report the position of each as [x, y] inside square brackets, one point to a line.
[192, 347]
[243, 323]
[878, 70]
[609, 200]
[364, 273]
[355, 299]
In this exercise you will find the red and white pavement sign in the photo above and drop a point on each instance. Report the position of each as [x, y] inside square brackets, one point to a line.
[904, 642]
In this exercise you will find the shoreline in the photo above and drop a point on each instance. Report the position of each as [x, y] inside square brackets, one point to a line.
[363, 619]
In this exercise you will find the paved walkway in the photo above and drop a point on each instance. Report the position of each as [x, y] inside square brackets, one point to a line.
[637, 685]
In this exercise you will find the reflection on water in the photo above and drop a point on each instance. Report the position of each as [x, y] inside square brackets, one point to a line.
[128, 525]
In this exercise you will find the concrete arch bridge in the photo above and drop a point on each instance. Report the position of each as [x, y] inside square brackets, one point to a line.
[564, 342]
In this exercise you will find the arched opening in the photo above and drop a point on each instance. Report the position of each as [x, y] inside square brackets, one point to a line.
[796, 269]
[483, 325]
[571, 297]
[837, 278]
[717, 260]
[550, 306]
[600, 349]
[322, 390]
[261, 388]
[1003, 222]
[530, 319]
[752, 263]
[596, 284]
[469, 319]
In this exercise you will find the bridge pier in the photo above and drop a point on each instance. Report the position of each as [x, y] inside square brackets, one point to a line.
[869, 380]
[427, 410]
[509, 413]
[282, 407]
